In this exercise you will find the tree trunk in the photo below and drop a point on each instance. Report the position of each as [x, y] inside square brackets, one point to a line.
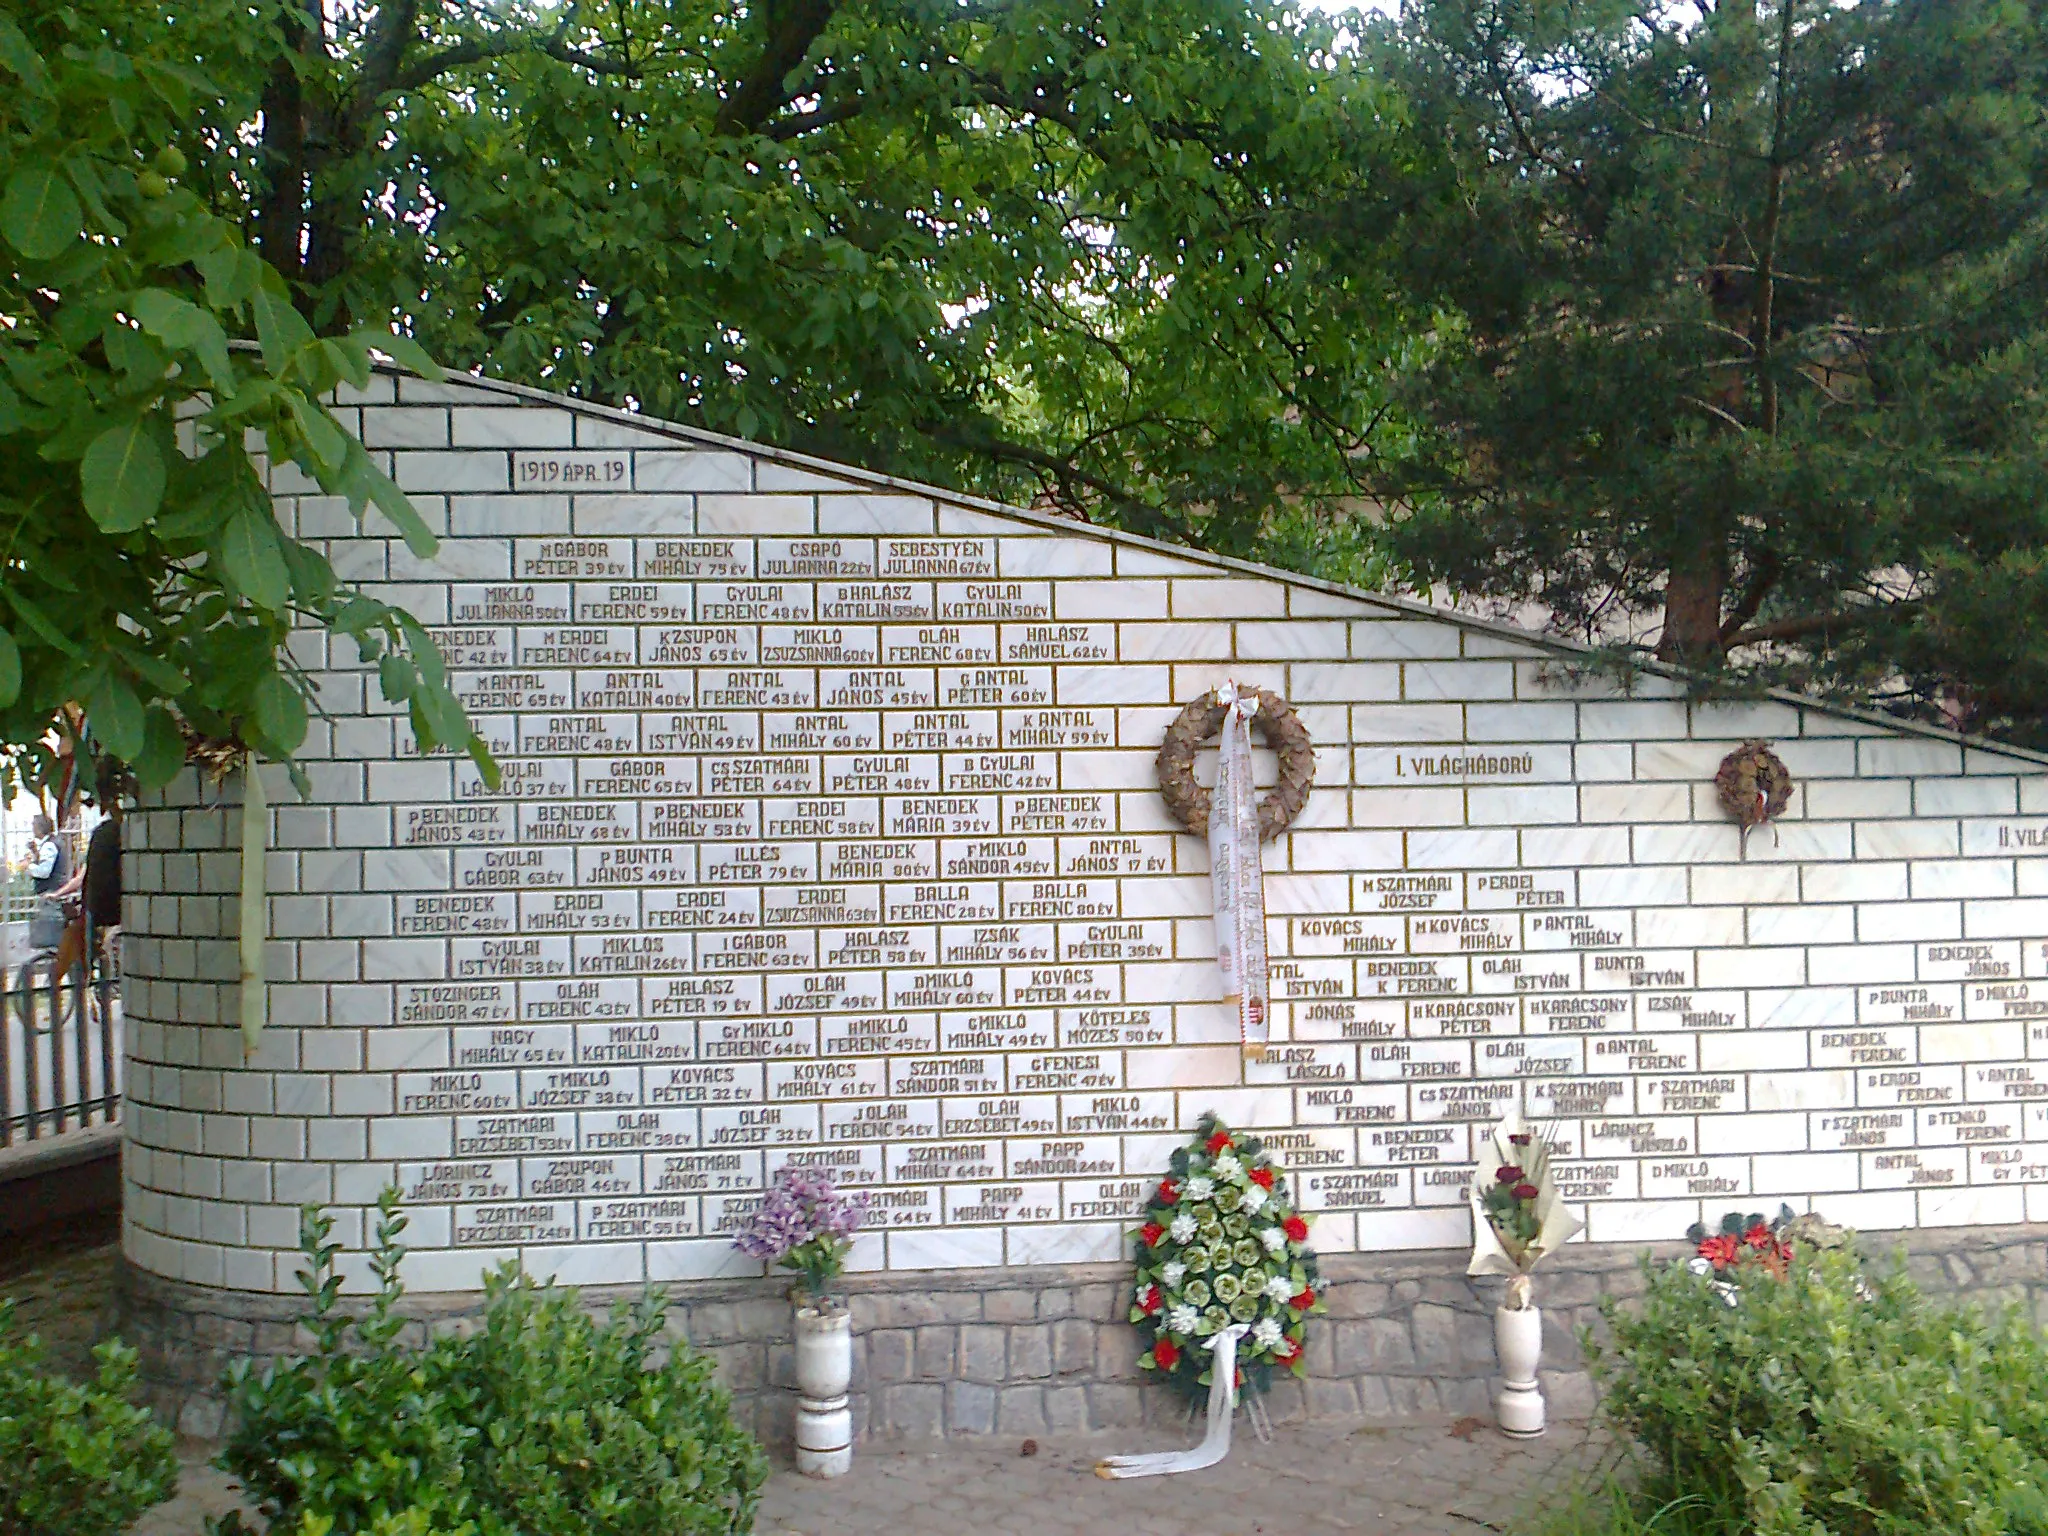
[1693, 596]
[279, 212]
[302, 230]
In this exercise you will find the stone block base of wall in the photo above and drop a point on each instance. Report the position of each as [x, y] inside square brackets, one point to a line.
[1047, 1350]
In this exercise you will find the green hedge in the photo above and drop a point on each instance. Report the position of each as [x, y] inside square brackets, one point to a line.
[75, 1460]
[542, 1422]
[1834, 1401]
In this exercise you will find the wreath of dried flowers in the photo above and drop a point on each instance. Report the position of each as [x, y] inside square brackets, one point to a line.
[1754, 786]
[1283, 732]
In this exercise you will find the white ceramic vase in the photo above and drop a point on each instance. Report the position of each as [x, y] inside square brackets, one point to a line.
[824, 1368]
[1518, 1340]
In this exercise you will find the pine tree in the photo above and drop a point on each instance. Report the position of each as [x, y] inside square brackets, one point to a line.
[1744, 351]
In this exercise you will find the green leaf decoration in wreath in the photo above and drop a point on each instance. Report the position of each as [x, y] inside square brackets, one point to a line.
[1222, 1243]
[1283, 731]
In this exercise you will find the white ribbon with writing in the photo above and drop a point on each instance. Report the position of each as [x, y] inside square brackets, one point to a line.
[1222, 1401]
[1238, 877]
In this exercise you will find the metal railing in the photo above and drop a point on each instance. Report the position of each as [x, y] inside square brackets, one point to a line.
[60, 1048]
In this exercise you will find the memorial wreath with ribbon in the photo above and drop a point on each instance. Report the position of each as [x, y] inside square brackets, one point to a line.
[1225, 1282]
[1236, 820]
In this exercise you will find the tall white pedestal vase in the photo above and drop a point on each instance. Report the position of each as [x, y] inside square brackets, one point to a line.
[1517, 1218]
[805, 1225]
[1518, 1341]
[824, 1369]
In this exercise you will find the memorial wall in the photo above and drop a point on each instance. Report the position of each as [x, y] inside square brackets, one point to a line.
[828, 833]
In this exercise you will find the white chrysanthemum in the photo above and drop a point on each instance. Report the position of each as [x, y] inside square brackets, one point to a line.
[1275, 1238]
[1254, 1201]
[1141, 1291]
[1267, 1334]
[1200, 1187]
[1182, 1319]
[1280, 1288]
[1175, 1272]
[1183, 1227]
[1226, 1165]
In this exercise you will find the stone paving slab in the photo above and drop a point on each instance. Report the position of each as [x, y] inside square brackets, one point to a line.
[1413, 1479]
[1433, 1479]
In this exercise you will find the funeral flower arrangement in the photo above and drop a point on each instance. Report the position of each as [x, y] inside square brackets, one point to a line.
[1518, 1216]
[1222, 1244]
[804, 1224]
[1739, 1237]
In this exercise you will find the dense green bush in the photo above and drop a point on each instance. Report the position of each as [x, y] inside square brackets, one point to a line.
[1829, 1402]
[75, 1460]
[543, 1422]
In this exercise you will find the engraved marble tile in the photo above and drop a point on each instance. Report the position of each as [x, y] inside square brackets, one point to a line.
[928, 643]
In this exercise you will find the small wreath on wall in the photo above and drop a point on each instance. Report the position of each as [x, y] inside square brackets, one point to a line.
[1754, 786]
[1282, 730]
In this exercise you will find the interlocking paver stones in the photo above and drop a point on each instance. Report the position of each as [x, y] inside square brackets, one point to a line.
[1415, 1479]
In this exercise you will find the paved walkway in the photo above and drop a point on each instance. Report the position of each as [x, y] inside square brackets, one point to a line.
[1395, 1480]
[1388, 1480]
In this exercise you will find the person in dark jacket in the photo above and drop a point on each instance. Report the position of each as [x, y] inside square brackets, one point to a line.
[99, 882]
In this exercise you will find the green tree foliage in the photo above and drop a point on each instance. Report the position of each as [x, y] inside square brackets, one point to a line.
[1746, 344]
[143, 573]
[1070, 250]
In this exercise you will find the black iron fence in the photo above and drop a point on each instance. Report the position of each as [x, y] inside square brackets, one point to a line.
[60, 1046]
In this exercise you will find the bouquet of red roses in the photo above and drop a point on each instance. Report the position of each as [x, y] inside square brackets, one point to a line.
[1517, 1214]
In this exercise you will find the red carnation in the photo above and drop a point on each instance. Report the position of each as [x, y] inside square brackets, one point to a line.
[1150, 1233]
[1305, 1300]
[1165, 1354]
[1526, 1191]
[1286, 1350]
[1152, 1302]
[1296, 1229]
[1262, 1176]
[1217, 1142]
[1720, 1250]
[1508, 1173]
[1758, 1236]
[1168, 1191]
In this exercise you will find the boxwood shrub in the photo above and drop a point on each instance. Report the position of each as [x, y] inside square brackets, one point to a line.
[76, 1459]
[543, 1421]
[1829, 1399]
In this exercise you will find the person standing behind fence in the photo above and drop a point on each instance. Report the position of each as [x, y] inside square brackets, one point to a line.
[46, 864]
[100, 883]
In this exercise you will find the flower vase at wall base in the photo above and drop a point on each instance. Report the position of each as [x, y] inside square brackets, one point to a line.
[1518, 1339]
[824, 1369]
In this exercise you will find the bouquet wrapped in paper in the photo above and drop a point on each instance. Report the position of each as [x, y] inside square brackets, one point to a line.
[1517, 1214]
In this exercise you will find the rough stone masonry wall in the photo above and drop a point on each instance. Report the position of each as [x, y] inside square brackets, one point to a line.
[1047, 1350]
[829, 834]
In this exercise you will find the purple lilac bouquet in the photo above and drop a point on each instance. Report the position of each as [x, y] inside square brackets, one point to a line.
[804, 1224]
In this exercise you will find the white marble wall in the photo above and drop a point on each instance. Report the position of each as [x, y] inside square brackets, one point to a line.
[828, 833]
